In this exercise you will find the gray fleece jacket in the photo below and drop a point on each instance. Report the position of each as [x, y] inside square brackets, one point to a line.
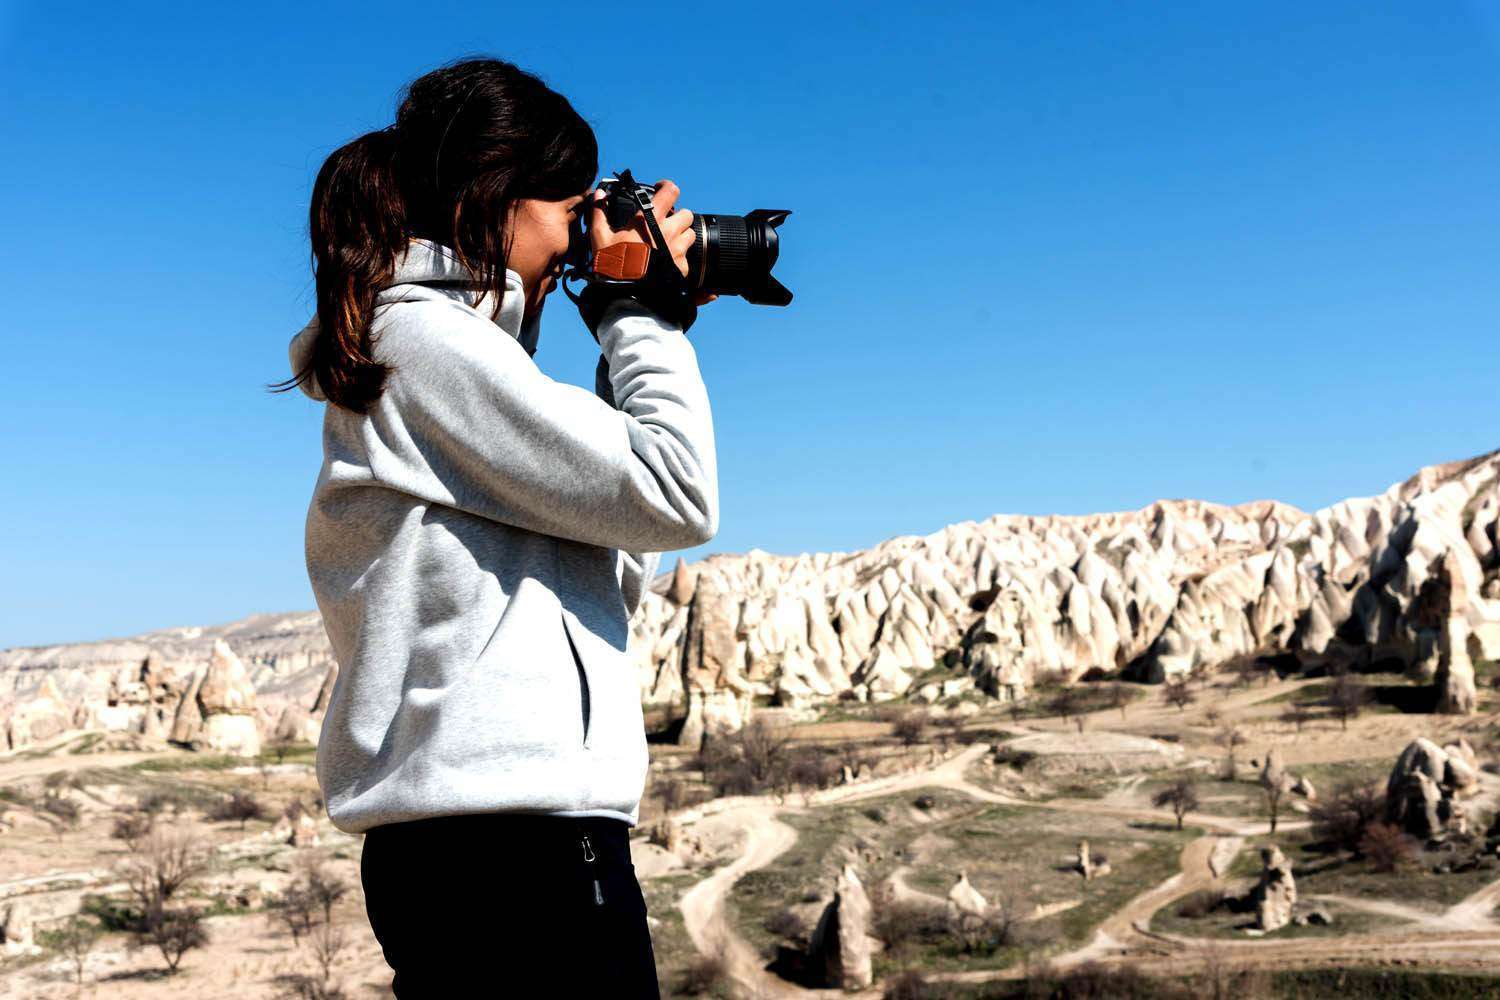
[477, 543]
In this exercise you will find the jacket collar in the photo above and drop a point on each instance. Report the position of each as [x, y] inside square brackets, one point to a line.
[437, 269]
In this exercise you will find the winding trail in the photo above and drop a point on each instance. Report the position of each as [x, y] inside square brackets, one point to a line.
[1460, 936]
[765, 838]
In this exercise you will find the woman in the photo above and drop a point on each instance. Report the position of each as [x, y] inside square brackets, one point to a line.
[480, 536]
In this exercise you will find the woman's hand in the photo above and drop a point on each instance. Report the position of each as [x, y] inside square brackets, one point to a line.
[676, 229]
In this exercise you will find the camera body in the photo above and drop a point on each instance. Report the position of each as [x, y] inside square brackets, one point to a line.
[731, 254]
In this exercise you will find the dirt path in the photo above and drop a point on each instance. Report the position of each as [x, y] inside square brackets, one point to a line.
[1459, 936]
[27, 767]
[765, 838]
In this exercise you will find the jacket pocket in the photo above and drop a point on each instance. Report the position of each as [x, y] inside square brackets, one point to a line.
[584, 696]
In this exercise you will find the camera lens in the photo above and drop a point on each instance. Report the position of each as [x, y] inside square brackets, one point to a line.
[734, 254]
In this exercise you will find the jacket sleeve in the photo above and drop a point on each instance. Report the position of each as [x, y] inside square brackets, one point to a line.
[633, 570]
[467, 419]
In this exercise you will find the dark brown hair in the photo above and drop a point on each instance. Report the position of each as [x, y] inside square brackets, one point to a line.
[469, 139]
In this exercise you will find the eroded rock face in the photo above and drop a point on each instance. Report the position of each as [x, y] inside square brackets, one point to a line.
[42, 716]
[839, 949]
[1455, 670]
[1157, 592]
[139, 685]
[1275, 895]
[1427, 785]
[993, 604]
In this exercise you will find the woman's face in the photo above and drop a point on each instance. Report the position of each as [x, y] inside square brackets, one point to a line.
[540, 243]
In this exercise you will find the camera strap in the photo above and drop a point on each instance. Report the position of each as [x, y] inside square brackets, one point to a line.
[648, 275]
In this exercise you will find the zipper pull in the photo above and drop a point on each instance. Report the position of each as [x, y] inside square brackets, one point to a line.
[598, 894]
[588, 849]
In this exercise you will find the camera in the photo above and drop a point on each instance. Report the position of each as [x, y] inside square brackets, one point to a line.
[731, 255]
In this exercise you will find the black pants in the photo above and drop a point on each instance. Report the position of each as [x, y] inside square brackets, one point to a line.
[508, 905]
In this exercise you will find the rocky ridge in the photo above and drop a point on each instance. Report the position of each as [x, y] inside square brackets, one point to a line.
[981, 608]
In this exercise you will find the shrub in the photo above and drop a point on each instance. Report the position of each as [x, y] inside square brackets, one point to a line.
[1179, 695]
[174, 932]
[74, 939]
[1200, 904]
[908, 985]
[744, 762]
[785, 923]
[670, 794]
[901, 924]
[64, 811]
[241, 806]
[910, 727]
[1093, 981]
[982, 934]
[1339, 819]
[1388, 847]
[132, 826]
[811, 768]
[161, 800]
[705, 974]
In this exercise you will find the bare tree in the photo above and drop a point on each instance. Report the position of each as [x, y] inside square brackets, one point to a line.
[75, 939]
[1179, 695]
[1181, 796]
[280, 746]
[174, 931]
[165, 861]
[1348, 698]
[1245, 672]
[1065, 703]
[744, 762]
[328, 942]
[1274, 790]
[1200, 672]
[1231, 739]
[1340, 816]
[296, 908]
[1296, 713]
[326, 888]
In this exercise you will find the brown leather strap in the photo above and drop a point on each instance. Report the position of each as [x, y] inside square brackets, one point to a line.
[623, 261]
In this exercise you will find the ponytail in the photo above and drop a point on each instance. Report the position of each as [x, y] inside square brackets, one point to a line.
[357, 224]
[470, 139]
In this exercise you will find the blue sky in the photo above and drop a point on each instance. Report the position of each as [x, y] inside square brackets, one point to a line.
[1047, 257]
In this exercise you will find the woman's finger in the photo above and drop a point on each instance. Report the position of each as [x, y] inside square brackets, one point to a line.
[665, 198]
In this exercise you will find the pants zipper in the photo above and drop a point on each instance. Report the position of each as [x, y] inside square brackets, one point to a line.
[589, 857]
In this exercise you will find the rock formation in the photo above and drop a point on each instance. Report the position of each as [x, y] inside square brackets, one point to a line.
[1410, 577]
[226, 701]
[149, 684]
[839, 949]
[1275, 895]
[1427, 785]
[1154, 592]
[1454, 676]
[1089, 865]
[964, 899]
[40, 717]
